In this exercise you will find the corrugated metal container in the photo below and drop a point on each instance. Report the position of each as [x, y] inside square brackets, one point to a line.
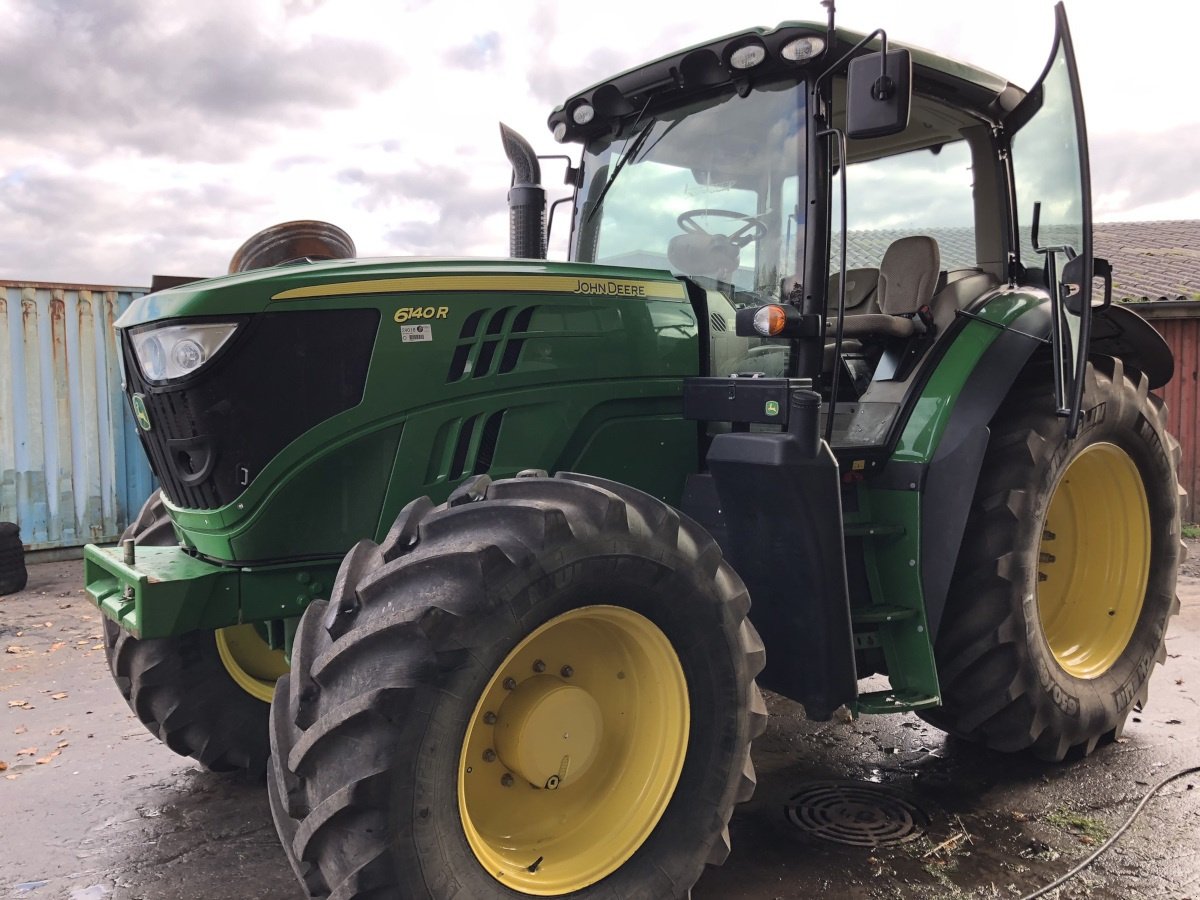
[1179, 324]
[71, 468]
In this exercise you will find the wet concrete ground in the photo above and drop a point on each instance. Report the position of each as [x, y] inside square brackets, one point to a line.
[92, 806]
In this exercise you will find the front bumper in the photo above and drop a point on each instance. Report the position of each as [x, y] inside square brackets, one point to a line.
[166, 592]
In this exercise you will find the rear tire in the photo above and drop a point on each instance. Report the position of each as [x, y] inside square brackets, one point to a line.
[181, 688]
[379, 782]
[1061, 594]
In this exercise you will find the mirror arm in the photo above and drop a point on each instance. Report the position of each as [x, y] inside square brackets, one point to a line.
[550, 222]
[571, 176]
[829, 73]
[884, 86]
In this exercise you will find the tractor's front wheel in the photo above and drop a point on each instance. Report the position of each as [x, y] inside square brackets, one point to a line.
[1066, 578]
[543, 688]
[205, 694]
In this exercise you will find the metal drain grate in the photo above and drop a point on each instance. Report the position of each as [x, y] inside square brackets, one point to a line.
[858, 813]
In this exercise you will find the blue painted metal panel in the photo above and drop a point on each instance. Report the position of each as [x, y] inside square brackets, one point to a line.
[71, 468]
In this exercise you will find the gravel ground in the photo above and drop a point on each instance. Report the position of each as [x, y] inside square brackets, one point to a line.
[93, 806]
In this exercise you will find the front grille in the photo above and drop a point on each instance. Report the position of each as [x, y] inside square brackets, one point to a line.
[282, 374]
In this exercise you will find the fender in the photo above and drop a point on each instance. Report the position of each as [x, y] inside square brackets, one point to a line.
[952, 474]
[1119, 331]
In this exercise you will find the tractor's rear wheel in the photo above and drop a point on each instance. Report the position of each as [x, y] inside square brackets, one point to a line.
[1066, 578]
[204, 694]
[543, 688]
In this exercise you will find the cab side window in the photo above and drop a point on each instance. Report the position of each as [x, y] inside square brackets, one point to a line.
[921, 192]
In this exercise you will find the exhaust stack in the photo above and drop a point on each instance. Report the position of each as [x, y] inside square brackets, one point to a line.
[526, 199]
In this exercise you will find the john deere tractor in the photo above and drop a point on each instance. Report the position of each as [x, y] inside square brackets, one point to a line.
[475, 556]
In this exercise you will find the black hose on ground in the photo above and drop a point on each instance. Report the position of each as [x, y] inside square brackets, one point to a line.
[1063, 879]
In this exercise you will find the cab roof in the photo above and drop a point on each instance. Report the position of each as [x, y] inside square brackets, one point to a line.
[704, 67]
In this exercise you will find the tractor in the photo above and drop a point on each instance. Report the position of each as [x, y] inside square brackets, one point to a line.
[483, 562]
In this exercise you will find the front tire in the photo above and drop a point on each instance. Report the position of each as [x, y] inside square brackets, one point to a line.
[1059, 603]
[204, 694]
[544, 687]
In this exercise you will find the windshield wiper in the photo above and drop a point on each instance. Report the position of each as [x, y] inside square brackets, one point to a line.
[630, 154]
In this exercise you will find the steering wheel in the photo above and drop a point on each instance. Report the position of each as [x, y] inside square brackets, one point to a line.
[754, 228]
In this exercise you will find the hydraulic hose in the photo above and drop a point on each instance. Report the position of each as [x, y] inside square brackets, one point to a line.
[1063, 879]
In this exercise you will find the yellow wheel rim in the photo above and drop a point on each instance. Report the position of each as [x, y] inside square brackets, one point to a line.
[1094, 560]
[573, 751]
[250, 661]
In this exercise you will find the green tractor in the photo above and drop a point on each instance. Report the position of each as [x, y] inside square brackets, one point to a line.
[826, 342]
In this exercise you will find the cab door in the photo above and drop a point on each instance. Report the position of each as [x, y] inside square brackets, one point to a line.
[1052, 207]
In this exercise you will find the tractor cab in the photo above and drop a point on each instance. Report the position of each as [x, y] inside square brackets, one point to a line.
[751, 167]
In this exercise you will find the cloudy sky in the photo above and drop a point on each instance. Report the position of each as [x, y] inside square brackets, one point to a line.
[140, 138]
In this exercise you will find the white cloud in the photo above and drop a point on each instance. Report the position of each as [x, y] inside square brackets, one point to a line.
[142, 141]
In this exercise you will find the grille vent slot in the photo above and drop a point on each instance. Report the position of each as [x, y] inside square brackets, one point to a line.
[718, 322]
[458, 463]
[487, 442]
[481, 433]
[502, 339]
[458, 365]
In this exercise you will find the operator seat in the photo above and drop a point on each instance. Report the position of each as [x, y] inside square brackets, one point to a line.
[704, 255]
[908, 275]
[861, 285]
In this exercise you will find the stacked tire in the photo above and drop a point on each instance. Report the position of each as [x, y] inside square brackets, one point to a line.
[13, 575]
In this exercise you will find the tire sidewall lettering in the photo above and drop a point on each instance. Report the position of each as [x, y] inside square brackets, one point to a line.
[1128, 692]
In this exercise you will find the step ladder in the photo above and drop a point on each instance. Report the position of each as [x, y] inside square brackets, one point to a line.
[894, 619]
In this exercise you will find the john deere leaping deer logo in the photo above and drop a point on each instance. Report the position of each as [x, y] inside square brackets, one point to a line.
[139, 412]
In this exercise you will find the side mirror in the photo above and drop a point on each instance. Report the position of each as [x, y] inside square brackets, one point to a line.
[878, 94]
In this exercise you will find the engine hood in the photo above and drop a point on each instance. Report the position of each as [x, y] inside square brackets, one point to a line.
[263, 289]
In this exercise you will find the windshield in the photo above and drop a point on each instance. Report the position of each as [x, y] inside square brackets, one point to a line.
[710, 190]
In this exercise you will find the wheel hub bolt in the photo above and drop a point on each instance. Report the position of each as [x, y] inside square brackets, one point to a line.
[510, 684]
[506, 780]
[567, 672]
[489, 755]
[489, 718]
[539, 666]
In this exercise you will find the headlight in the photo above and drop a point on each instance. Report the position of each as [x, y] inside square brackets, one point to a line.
[802, 48]
[178, 350]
